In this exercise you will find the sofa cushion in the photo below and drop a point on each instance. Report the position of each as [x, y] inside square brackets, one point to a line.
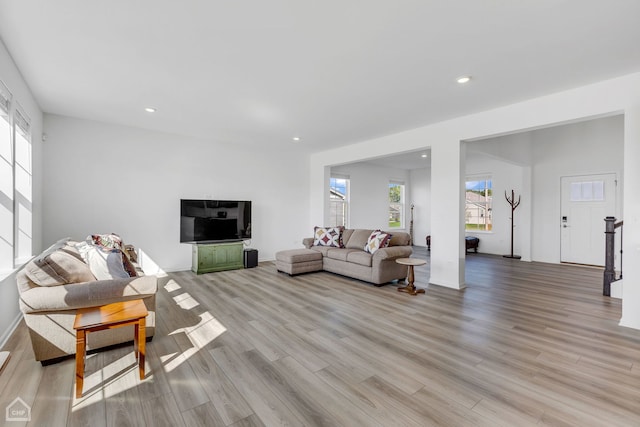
[71, 249]
[358, 239]
[58, 268]
[346, 235]
[360, 257]
[72, 268]
[42, 273]
[339, 254]
[328, 236]
[377, 240]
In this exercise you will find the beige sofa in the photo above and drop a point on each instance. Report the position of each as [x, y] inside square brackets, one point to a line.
[353, 261]
[57, 283]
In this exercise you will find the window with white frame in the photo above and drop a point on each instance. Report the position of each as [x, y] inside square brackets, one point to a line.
[16, 173]
[339, 201]
[478, 203]
[396, 204]
[6, 181]
[23, 173]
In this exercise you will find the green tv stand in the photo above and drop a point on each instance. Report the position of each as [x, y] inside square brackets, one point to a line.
[210, 257]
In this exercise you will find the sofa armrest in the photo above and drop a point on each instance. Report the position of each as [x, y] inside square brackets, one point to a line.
[89, 294]
[393, 252]
[307, 242]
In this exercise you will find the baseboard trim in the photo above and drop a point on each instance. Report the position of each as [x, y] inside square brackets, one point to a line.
[7, 334]
[625, 323]
[4, 358]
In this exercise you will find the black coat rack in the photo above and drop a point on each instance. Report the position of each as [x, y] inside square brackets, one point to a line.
[514, 204]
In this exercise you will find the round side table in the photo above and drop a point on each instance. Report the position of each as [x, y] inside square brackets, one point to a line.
[410, 287]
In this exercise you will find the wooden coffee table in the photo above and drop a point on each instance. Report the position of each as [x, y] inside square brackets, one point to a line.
[109, 316]
[410, 287]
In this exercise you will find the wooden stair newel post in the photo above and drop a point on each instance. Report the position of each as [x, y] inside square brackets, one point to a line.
[609, 256]
[514, 204]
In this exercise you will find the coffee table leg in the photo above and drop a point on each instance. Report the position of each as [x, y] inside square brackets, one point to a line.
[80, 353]
[141, 340]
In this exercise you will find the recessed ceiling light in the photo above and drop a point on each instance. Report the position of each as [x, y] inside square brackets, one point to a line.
[423, 156]
[463, 79]
[296, 138]
[150, 110]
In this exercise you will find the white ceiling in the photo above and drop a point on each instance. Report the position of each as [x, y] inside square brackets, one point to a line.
[333, 72]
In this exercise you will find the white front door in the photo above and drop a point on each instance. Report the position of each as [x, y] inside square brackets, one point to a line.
[586, 201]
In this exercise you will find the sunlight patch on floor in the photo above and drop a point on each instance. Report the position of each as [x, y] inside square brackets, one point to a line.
[112, 380]
[174, 360]
[207, 330]
[121, 375]
[200, 335]
[171, 286]
[185, 301]
[92, 390]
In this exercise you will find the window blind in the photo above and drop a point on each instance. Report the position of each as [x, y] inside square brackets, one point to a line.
[22, 120]
[479, 177]
[5, 98]
[339, 176]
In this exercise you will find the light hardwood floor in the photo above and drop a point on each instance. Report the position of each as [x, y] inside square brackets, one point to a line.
[523, 344]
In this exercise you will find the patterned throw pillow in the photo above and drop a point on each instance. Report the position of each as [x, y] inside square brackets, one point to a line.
[377, 240]
[112, 241]
[324, 236]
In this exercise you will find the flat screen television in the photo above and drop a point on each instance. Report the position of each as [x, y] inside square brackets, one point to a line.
[214, 221]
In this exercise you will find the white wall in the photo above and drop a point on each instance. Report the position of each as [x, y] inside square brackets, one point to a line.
[513, 148]
[508, 158]
[631, 288]
[586, 148]
[369, 194]
[102, 178]
[420, 196]
[582, 148]
[10, 75]
[505, 177]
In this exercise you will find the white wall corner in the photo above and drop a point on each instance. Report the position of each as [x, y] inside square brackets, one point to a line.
[631, 246]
